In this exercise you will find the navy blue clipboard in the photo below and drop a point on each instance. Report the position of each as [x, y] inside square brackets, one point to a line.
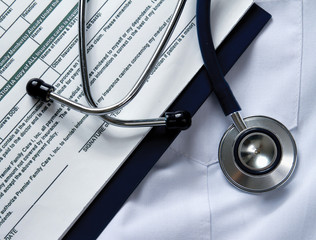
[112, 197]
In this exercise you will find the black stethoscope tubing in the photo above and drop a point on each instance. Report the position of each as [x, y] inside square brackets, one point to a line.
[221, 88]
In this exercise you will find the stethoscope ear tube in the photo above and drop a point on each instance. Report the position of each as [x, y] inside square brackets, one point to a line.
[141, 80]
[180, 120]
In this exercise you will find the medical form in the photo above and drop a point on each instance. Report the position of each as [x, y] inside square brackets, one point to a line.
[53, 160]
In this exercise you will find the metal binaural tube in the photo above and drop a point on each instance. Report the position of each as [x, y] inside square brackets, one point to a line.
[141, 80]
[45, 92]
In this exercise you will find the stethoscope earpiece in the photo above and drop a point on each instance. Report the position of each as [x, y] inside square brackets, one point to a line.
[38, 89]
[259, 158]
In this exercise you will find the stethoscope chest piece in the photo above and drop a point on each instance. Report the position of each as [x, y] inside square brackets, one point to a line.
[259, 158]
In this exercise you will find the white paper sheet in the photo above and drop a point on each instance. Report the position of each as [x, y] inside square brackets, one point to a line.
[53, 161]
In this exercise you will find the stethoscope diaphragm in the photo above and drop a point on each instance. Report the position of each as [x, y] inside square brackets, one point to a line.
[261, 157]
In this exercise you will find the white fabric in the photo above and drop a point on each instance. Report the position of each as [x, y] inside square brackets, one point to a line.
[186, 196]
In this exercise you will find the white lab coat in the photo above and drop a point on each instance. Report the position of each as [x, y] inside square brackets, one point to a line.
[186, 196]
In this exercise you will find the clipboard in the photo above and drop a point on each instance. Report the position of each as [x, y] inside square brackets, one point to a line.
[109, 201]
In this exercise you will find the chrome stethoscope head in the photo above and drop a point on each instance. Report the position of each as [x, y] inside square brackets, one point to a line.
[256, 154]
[172, 120]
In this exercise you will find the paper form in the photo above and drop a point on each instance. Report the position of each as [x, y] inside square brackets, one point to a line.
[53, 160]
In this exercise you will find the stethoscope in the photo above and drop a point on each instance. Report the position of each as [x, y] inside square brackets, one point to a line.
[256, 154]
